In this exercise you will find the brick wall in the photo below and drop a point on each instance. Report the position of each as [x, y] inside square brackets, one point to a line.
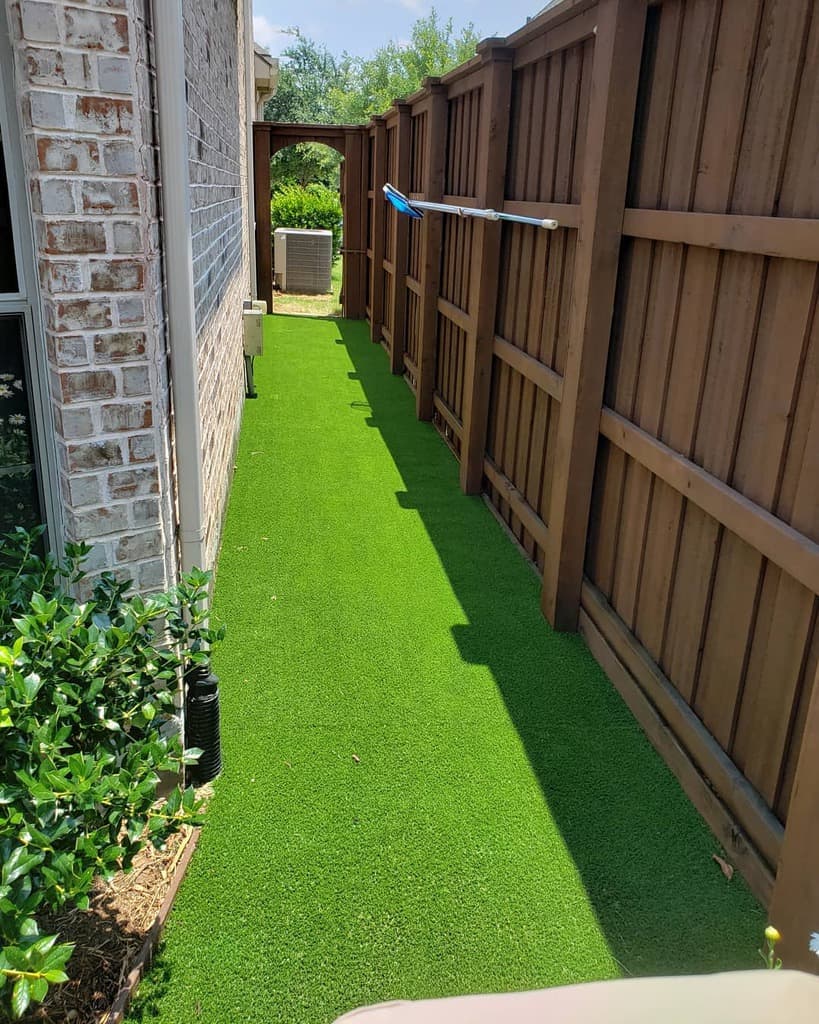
[217, 125]
[85, 95]
[87, 104]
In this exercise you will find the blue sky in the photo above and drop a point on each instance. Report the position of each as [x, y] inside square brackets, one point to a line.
[360, 26]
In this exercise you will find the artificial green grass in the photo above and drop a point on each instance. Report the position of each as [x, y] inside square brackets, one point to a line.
[426, 791]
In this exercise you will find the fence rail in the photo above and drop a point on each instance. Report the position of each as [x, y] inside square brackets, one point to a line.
[636, 392]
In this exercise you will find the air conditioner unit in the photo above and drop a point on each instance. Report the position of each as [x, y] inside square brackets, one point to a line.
[302, 260]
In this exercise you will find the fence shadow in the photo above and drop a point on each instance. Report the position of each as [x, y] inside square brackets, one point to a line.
[639, 846]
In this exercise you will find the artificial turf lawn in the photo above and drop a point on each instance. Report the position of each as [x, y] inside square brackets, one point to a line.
[426, 791]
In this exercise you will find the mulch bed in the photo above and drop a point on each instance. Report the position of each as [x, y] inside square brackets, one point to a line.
[109, 936]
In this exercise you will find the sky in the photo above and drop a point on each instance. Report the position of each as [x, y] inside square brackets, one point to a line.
[360, 26]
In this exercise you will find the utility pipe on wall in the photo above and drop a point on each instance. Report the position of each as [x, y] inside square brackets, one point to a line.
[250, 100]
[169, 44]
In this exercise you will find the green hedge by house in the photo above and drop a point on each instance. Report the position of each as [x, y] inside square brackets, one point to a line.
[310, 206]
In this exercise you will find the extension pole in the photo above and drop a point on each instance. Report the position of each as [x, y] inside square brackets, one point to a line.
[412, 207]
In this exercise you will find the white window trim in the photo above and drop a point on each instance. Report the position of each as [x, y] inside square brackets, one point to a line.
[27, 300]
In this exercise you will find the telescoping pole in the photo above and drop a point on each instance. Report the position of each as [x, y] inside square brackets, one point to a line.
[415, 208]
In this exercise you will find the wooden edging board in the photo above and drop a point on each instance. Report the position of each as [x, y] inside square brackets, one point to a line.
[120, 1005]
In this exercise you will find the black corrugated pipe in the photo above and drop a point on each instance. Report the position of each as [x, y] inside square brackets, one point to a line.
[202, 723]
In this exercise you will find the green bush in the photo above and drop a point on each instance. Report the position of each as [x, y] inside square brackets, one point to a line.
[313, 206]
[86, 727]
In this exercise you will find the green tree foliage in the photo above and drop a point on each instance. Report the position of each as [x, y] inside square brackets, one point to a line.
[315, 87]
[86, 713]
[313, 207]
[397, 69]
[309, 76]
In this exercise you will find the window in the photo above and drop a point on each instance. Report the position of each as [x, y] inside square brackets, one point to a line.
[19, 499]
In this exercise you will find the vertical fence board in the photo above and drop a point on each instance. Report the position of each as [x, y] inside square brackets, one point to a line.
[608, 142]
[379, 177]
[484, 264]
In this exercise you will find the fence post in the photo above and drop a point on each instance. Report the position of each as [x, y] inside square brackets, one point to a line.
[615, 74]
[431, 237]
[379, 211]
[355, 240]
[403, 144]
[261, 206]
[795, 904]
[490, 179]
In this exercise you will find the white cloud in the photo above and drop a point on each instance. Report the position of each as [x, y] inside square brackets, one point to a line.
[272, 37]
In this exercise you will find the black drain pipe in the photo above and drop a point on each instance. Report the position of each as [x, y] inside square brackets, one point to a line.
[202, 723]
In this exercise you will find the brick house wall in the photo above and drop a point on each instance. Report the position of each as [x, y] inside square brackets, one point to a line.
[86, 99]
[215, 69]
[89, 151]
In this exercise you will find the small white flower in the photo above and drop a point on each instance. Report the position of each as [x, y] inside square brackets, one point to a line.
[813, 945]
[5, 391]
[6, 376]
[19, 385]
[17, 419]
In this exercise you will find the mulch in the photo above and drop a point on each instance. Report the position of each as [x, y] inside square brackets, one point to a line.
[108, 936]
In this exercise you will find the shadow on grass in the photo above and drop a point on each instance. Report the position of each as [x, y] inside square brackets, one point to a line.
[642, 851]
[147, 1003]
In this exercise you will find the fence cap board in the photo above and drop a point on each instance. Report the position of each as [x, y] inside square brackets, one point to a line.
[549, 19]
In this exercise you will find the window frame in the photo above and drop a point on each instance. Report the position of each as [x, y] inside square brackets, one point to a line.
[26, 301]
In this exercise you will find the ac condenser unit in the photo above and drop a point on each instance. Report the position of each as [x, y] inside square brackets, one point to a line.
[302, 260]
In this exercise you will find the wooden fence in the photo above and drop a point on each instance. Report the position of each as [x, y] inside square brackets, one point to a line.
[636, 392]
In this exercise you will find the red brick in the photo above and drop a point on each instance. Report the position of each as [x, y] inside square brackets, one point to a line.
[110, 197]
[132, 482]
[118, 347]
[73, 236]
[127, 416]
[62, 154]
[117, 276]
[93, 30]
[94, 455]
[104, 115]
[57, 277]
[67, 350]
[96, 522]
[79, 314]
[87, 385]
[141, 448]
[138, 546]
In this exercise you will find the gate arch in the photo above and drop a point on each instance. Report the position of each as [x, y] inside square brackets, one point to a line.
[349, 140]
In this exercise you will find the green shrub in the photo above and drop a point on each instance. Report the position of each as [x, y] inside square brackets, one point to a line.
[313, 206]
[86, 727]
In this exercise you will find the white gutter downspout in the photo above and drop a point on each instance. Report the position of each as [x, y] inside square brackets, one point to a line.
[250, 99]
[169, 48]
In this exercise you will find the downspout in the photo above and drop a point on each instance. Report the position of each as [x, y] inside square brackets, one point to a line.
[250, 91]
[169, 49]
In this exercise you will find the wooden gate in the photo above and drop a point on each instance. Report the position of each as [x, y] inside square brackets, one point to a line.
[349, 140]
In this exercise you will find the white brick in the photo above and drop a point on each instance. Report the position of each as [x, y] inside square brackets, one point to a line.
[40, 24]
[57, 196]
[50, 110]
[114, 74]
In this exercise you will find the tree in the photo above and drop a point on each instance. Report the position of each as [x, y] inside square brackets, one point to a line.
[309, 75]
[369, 86]
[317, 88]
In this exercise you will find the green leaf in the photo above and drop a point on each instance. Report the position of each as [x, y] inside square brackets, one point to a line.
[39, 989]
[20, 998]
[5, 719]
[55, 977]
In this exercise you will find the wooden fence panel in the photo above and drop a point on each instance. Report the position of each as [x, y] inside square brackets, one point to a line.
[550, 102]
[454, 324]
[654, 359]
